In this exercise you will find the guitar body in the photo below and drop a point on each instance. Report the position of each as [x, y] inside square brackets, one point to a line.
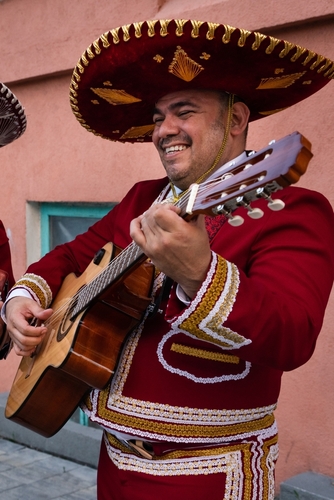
[81, 353]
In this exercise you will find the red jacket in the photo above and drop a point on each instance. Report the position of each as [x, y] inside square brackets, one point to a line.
[258, 313]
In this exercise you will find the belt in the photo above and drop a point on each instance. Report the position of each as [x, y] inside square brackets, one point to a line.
[150, 450]
[141, 448]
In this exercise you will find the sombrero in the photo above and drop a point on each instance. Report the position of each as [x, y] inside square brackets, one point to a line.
[123, 73]
[13, 121]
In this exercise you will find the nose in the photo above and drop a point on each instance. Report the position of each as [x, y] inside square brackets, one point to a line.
[169, 126]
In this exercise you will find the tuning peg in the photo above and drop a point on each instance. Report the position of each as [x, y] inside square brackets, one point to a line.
[235, 220]
[255, 213]
[276, 205]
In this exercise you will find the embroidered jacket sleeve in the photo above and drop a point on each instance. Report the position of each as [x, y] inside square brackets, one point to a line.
[266, 291]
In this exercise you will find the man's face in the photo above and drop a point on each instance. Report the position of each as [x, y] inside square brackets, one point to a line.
[189, 130]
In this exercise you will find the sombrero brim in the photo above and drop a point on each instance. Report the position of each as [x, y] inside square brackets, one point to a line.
[121, 75]
[13, 120]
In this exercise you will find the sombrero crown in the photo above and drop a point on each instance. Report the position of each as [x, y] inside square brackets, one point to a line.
[121, 75]
[13, 121]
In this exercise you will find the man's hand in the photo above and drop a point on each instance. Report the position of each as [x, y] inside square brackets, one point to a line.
[178, 248]
[20, 311]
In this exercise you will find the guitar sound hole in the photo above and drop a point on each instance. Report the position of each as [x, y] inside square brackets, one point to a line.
[66, 323]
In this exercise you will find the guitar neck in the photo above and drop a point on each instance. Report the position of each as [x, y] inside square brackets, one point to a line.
[117, 268]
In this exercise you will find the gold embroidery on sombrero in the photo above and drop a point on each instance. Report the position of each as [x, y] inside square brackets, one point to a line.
[137, 27]
[164, 27]
[211, 31]
[299, 52]
[318, 61]
[243, 36]
[288, 46]
[183, 66]
[195, 30]
[259, 37]
[115, 97]
[228, 33]
[280, 82]
[272, 44]
[179, 26]
[114, 34]
[151, 26]
[126, 33]
[309, 57]
[135, 132]
[204, 354]
[325, 66]
[104, 40]
[158, 58]
[330, 72]
[38, 286]
[271, 112]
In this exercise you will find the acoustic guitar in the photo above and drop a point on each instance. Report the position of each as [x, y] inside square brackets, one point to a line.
[95, 312]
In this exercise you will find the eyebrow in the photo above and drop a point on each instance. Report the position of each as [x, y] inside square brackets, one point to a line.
[175, 105]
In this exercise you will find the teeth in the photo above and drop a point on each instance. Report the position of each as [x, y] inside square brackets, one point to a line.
[174, 148]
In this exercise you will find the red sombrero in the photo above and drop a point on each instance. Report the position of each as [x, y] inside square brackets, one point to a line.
[121, 75]
[13, 121]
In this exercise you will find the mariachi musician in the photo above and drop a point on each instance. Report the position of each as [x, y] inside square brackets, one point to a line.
[12, 125]
[189, 413]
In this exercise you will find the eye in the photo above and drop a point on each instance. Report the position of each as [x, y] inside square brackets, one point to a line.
[185, 113]
[158, 119]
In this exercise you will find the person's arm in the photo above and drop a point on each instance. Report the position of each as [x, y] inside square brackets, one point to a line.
[267, 286]
[43, 279]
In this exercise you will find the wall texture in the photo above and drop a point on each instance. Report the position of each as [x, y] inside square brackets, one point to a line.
[57, 160]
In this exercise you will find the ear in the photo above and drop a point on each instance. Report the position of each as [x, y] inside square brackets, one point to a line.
[240, 116]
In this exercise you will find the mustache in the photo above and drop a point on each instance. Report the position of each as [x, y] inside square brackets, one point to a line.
[166, 141]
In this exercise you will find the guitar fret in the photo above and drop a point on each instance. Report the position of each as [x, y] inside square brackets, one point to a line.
[113, 271]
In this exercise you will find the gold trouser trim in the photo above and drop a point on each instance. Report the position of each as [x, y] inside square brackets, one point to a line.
[240, 462]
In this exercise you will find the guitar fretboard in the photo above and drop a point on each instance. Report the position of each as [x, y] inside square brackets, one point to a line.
[117, 267]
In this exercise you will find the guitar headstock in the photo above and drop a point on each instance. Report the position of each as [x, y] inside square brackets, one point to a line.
[235, 185]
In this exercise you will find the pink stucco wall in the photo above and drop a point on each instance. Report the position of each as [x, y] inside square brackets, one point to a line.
[57, 160]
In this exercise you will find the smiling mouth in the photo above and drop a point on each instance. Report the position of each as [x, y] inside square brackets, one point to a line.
[172, 149]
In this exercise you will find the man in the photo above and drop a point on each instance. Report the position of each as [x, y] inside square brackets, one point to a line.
[12, 125]
[189, 411]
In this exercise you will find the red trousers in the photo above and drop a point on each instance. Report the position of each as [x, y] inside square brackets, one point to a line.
[116, 484]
